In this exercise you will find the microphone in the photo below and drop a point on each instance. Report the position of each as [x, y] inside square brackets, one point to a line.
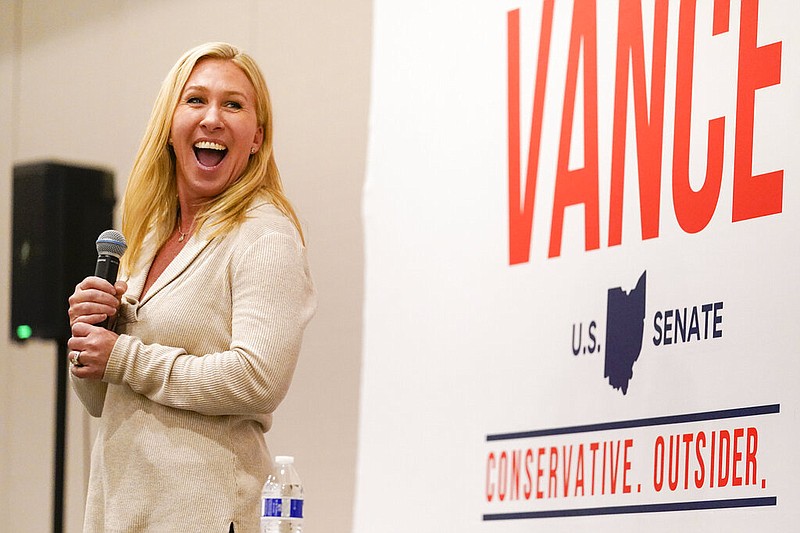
[110, 247]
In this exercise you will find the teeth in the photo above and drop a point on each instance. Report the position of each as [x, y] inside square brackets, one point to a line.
[208, 145]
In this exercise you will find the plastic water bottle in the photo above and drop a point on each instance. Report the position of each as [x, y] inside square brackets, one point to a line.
[282, 499]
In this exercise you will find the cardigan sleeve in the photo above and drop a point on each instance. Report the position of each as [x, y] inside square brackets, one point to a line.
[273, 299]
[91, 393]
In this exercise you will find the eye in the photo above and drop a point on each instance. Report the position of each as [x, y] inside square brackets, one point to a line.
[233, 105]
[194, 100]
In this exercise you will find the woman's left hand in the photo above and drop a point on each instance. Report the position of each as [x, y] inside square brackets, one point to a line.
[91, 346]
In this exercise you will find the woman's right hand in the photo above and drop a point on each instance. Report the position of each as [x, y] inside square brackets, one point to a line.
[94, 300]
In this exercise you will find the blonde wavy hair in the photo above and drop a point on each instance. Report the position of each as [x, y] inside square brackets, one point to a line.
[150, 200]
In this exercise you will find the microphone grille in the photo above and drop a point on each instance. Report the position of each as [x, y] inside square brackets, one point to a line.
[111, 242]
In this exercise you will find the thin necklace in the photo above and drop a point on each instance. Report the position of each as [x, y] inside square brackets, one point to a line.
[182, 233]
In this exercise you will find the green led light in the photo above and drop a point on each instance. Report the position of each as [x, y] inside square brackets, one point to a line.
[24, 332]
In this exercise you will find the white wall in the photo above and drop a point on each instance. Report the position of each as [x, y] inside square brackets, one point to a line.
[79, 78]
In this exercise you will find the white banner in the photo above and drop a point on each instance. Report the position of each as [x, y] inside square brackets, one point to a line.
[581, 250]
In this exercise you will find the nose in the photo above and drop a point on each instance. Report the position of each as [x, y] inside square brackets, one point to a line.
[212, 119]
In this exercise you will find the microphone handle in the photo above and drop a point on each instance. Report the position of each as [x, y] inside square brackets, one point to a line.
[107, 268]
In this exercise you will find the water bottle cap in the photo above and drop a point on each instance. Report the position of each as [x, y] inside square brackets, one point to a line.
[284, 459]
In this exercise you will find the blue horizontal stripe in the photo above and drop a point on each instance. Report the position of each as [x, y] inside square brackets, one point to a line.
[643, 422]
[632, 509]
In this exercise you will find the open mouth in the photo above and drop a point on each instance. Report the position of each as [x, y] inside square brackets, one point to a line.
[209, 154]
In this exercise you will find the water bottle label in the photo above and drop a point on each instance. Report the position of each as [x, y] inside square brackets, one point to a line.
[272, 506]
[282, 507]
[296, 509]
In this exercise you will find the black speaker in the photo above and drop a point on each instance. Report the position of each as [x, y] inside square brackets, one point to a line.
[59, 211]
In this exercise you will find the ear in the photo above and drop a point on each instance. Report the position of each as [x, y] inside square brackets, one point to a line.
[258, 139]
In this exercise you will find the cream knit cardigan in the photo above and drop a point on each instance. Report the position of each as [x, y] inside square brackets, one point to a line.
[201, 363]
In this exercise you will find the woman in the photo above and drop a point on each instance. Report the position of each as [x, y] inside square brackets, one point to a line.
[207, 329]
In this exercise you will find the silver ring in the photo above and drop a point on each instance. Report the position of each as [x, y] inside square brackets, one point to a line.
[76, 358]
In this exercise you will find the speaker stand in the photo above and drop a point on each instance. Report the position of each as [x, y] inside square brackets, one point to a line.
[61, 436]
